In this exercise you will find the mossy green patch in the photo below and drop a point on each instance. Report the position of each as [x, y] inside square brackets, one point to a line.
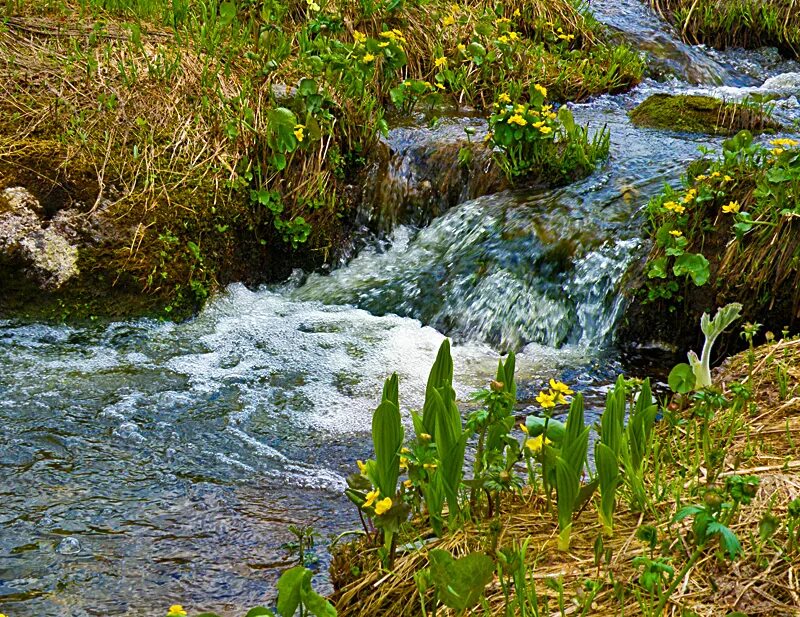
[700, 114]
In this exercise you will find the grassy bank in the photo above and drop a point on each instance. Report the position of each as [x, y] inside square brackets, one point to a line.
[729, 233]
[741, 23]
[701, 517]
[225, 140]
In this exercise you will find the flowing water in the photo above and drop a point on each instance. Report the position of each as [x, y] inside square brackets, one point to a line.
[145, 463]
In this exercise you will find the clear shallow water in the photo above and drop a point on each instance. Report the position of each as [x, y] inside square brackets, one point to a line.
[143, 464]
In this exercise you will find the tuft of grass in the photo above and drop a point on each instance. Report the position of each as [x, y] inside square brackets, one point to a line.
[735, 23]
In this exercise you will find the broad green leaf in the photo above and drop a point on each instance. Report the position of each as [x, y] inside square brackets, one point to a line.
[290, 585]
[460, 583]
[608, 473]
[258, 611]
[682, 378]
[695, 265]
[387, 438]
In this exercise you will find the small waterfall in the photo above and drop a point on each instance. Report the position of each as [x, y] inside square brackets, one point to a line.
[417, 174]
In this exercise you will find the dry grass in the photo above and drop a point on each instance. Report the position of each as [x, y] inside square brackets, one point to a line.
[764, 581]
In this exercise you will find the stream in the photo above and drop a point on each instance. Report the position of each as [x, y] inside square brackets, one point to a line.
[147, 463]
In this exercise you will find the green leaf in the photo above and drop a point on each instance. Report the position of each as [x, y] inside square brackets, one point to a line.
[258, 611]
[280, 130]
[728, 539]
[387, 438]
[682, 379]
[555, 428]
[307, 87]
[227, 13]
[460, 583]
[695, 265]
[657, 268]
[316, 604]
[608, 472]
[567, 484]
[290, 585]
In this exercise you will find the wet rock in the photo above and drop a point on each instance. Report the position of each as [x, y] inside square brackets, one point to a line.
[69, 546]
[47, 257]
[699, 114]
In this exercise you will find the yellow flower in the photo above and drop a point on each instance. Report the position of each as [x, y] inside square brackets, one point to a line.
[545, 130]
[403, 462]
[513, 35]
[371, 497]
[461, 47]
[538, 125]
[541, 89]
[523, 427]
[503, 39]
[674, 207]
[690, 195]
[701, 177]
[176, 610]
[517, 119]
[566, 37]
[488, 137]
[439, 62]
[502, 20]
[731, 208]
[359, 37]
[430, 466]
[559, 386]
[777, 151]
[516, 13]
[361, 466]
[405, 450]
[383, 44]
[535, 444]
[448, 21]
[790, 143]
[367, 58]
[715, 174]
[676, 232]
[546, 399]
[726, 178]
[425, 437]
[313, 5]
[383, 506]
[520, 109]
[504, 98]
[408, 483]
[298, 131]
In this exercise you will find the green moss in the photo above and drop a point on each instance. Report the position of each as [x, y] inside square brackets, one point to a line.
[700, 114]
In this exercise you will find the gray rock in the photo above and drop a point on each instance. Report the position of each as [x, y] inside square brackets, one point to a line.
[47, 256]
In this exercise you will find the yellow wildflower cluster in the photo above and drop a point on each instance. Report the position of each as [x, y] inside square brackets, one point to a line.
[563, 36]
[176, 610]
[785, 143]
[690, 195]
[556, 395]
[394, 35]
[675, 207]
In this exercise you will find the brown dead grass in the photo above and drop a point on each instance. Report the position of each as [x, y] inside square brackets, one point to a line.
[763, 584]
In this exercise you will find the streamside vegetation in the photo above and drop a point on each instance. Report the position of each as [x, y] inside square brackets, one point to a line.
[187, 144]
[684, 503]
[730, 232]
[743, 23]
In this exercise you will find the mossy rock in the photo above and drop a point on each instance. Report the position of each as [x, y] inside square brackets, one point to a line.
[700, 114]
